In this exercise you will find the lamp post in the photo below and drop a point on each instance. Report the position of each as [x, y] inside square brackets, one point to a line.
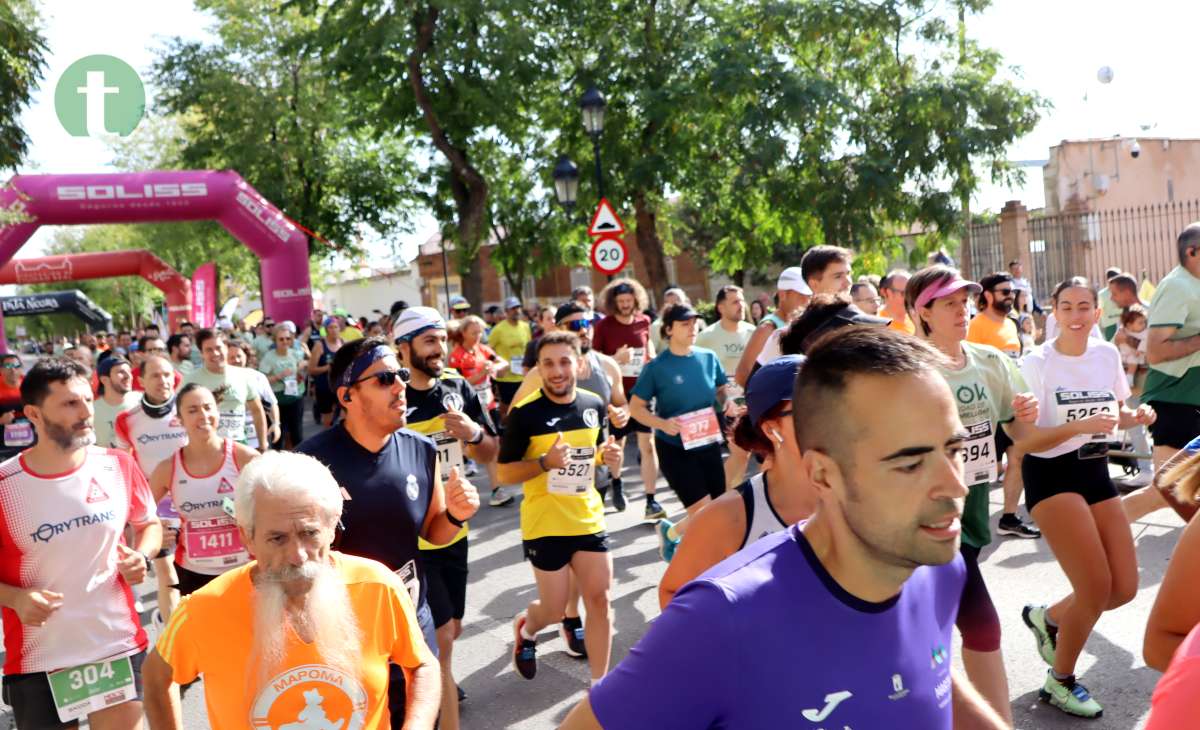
[592, 106]
[566, 182]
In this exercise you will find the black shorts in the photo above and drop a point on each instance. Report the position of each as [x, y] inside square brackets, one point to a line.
[322, 402]
[1003, 442]
[446, 581]
[554, 553]
[692, 475]
[33, 704]
[506, 391]
[191, 581]
[1177, 424]
[633, 426]
[1066, 474]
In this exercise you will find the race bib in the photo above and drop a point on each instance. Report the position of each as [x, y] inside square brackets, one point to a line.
[18, 433]
[577, 476]
[214, 543]
[88, 688]
[408, 574]
[450, 452]
[232, 426]
[1076, 405]
[698, 428]
[516, 367]
[637, 360]
[291, 387]
[979, 454]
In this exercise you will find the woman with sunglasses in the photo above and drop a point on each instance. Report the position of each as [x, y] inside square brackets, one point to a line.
[1070, 493]
[199, 478]
[285, 368]
[763, 504]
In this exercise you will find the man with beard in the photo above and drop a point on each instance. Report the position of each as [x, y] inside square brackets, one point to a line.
[872, 581]
[116, 395]
[179, 349]
[624, 335]
[67, 576]
[151, 432]
[992, 326]
[302, 636]
[395, 495]
[442, 405]
[552, 444]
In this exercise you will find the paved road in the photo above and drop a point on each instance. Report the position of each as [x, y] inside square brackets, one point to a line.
[1017, 572]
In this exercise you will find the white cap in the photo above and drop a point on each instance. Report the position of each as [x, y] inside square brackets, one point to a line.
[790, 279]
[288, 325]
[417, 319]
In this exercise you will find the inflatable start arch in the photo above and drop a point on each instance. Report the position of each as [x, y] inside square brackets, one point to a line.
[164, 196]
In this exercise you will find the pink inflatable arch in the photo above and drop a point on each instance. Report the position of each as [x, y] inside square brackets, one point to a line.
[158, 196]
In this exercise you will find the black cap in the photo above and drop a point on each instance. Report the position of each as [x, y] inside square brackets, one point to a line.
[107, 364]
[679, 313]
[567, 310]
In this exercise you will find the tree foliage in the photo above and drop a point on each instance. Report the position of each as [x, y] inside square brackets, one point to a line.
[22, 62]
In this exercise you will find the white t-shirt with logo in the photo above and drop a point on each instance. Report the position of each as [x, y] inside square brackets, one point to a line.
[151, 440]
[1059, 380]
[60, 532]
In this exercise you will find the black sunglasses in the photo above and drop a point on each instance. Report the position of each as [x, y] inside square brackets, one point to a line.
[579, 324]
[387, 378]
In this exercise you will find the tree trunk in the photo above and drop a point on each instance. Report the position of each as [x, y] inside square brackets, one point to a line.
[650, 246]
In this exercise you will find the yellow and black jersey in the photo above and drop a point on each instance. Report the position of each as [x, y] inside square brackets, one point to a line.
[450, 392]
[562, 502]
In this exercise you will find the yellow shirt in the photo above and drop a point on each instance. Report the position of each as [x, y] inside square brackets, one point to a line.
[210, 634]
[1001, 335]
[509, 341]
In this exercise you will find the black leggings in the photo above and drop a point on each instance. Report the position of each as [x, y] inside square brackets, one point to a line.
[291, 421]
[977, 617]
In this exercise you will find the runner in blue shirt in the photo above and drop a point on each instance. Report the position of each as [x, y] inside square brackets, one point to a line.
[843, 621]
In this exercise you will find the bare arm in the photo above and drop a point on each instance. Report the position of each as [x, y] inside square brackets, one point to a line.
[721, 526]
[437, 528]
[1032, 439]
[1161, 349]
[753, 347]
[581, 718]
[424, 695]
[1175, 612]
[314, 358]
[243, 455]
[156, 686]
[615, 380]
[260, 423]
[160, 479]
[518, 472]
[147, 537]
[640, 410]
[971, 711]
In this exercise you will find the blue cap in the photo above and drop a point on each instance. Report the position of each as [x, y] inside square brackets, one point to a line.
[771, 384]
[511, 302]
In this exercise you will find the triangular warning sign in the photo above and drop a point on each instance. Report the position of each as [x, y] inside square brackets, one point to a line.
[605, 222]
[225, 487]
[96, 493]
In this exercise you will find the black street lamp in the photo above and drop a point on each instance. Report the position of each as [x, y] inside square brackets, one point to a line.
[566, 182]
[592, 105]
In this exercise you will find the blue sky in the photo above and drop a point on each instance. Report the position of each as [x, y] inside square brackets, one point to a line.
[1058, 44]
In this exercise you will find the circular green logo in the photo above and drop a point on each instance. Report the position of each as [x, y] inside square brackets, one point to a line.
[99, 95]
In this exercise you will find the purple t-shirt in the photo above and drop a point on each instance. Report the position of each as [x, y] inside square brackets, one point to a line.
[767, 638]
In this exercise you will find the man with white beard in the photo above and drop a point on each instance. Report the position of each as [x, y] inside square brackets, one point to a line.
[303, 635]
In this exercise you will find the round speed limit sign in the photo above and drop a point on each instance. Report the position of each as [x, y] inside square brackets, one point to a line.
[609, 255]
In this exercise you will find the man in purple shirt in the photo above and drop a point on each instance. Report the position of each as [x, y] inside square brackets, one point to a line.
[842, 622]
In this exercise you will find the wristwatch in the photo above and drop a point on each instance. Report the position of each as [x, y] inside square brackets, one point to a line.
[475, 441]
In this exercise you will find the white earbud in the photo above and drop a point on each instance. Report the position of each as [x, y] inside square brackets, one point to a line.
[775, 434]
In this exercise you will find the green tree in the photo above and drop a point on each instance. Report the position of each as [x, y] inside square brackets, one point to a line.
[259, 102]
[22, 62]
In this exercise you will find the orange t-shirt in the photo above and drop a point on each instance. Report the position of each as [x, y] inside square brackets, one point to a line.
[1176, 701]
[903, 324]
[210, 634]
[1001, 335]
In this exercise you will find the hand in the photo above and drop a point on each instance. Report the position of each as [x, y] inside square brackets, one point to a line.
[8, 418]
[461, 426]
[170, 537]
[34, 606]
[1025, 407]
[273, 433]
[556, 457]
[668, 427]
[462, 499]
[1100, 423]
[623, 355]
[131, 564]
[1144, 415]
[619, 417]
[610, 453]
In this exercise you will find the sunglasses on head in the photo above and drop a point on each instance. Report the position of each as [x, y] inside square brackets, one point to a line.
[578, 324]
[387, 378]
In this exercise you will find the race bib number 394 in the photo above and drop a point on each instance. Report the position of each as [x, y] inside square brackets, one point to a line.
[979, 454]
[1077, 405]
[88, 688]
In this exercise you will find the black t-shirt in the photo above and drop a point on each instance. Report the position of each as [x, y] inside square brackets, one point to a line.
[390, 492]
[426, 408]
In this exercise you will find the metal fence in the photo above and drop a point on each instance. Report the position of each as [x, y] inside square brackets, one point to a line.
[1139, 240]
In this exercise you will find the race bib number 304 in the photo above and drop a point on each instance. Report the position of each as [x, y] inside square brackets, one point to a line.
[88, 688]
[979, 454]
[1076, 405]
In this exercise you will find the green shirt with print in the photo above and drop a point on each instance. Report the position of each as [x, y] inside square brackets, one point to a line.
[1176, 303]
[729, 346]
[234, 388]
[289, 389]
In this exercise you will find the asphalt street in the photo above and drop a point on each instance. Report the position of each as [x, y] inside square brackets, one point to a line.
[1017, 572]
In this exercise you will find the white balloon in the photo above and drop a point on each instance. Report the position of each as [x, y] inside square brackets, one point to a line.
[1105, 74]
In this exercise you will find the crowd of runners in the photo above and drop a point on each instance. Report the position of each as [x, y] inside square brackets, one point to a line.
[833, 447]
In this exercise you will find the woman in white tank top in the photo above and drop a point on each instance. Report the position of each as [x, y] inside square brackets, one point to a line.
[764, 504]
[199, 479]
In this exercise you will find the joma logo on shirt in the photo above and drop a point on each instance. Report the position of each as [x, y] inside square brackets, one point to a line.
[50, 530]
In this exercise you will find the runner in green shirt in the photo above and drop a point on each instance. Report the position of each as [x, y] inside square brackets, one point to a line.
[233, 386]
[509, 338]
[728, 337]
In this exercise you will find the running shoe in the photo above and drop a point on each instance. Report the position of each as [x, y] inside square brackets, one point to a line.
[500, 498]
[654, 510]
[525, 650]
[1134, 483]
[618, 494]
[462, 696]
[1047, 640]
[666, 546]
[471, 468]
[1012, 525]
[1069, 696]
[571, 631]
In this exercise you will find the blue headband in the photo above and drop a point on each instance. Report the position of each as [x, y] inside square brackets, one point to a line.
[362, 361]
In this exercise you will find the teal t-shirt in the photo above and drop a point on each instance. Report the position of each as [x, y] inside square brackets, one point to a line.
[1176, 303]
[984, 391]
[680, 384]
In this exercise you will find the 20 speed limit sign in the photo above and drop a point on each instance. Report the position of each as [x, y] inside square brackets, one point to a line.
[609, 255]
